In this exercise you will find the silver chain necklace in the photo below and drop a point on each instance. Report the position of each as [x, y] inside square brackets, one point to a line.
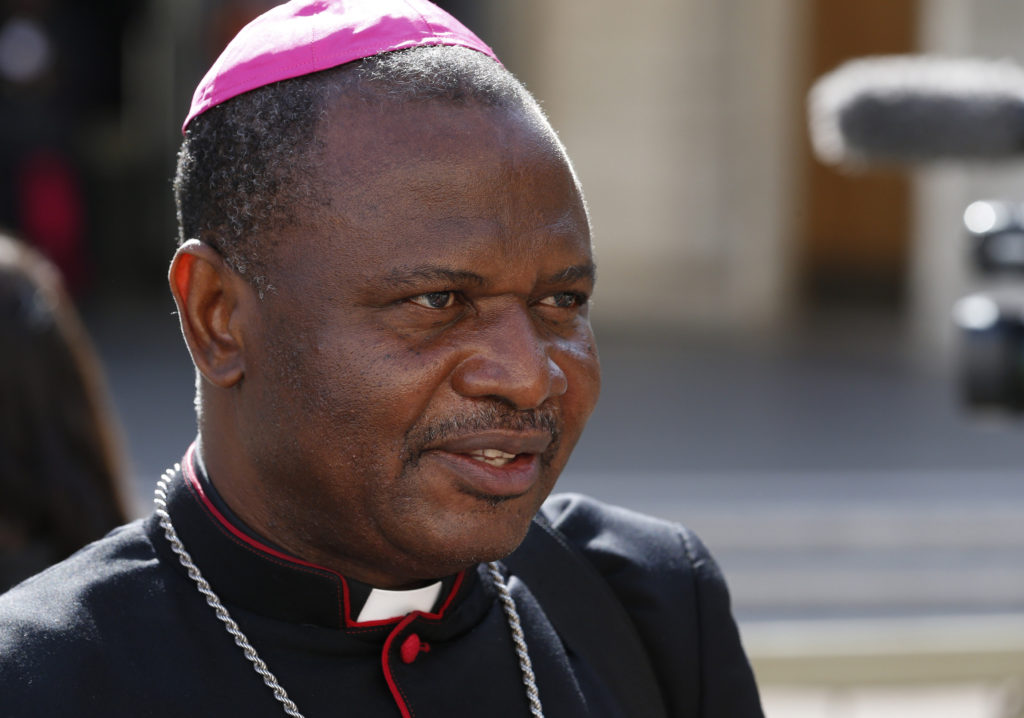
[509, 606]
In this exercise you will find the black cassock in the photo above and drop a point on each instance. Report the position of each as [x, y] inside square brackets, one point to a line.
[119, 629]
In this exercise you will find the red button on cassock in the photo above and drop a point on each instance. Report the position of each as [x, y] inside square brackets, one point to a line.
[411, 648]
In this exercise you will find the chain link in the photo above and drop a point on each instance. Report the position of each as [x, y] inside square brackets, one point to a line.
[519, 639]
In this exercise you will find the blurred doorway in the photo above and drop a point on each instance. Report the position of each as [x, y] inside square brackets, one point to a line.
[853, 236]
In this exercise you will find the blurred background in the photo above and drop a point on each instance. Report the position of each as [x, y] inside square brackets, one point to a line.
[780, 363]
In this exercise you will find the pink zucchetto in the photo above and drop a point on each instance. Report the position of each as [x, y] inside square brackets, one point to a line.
[304, 36]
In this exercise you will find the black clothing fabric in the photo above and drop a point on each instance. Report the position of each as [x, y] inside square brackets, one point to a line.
[120, 629]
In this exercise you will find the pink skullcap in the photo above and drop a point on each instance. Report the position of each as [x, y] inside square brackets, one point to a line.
[304, 36]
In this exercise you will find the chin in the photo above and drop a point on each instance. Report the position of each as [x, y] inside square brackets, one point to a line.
[479, 541]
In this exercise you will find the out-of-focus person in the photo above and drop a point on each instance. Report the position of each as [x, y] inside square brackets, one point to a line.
[62, 474]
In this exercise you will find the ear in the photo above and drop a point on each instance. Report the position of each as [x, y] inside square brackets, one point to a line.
[209, 298]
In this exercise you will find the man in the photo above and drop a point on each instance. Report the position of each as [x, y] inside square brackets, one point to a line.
[383, 282]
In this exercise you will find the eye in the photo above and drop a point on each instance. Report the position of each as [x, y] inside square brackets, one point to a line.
[435, 300]
[565, 300]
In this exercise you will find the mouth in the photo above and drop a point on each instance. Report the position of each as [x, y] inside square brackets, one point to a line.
[494, 464]
[500, 445]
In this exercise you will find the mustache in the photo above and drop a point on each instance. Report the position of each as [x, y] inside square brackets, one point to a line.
[486, 419]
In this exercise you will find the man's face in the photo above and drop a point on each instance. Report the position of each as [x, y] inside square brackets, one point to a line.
[425, 363]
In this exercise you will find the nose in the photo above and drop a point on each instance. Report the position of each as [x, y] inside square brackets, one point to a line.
[507, 360]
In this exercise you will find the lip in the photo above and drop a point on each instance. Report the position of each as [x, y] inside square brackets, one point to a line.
[476, 477]
[511, 442]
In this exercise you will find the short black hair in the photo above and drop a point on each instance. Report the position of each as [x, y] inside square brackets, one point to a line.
[247, 165]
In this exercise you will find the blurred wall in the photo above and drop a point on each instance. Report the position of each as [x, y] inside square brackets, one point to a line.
[681, 117]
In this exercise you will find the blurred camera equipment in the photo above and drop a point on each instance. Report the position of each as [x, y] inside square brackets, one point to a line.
[909, 110]
[991, 323]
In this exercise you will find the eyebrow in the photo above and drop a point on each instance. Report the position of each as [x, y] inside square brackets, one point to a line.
[401, 278]
[412, 276]
[574, 273]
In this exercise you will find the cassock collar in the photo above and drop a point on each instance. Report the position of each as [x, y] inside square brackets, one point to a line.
[248, 570]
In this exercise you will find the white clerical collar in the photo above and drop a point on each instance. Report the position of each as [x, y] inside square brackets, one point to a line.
[382, 605]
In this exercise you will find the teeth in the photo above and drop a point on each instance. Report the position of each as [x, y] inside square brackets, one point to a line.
[495, 454]
[493, 457]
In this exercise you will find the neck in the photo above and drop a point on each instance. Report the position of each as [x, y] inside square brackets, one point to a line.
[246, 508]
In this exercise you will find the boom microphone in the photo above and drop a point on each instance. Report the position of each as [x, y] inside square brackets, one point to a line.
[909, 109]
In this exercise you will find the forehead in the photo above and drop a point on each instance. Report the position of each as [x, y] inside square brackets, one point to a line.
[431, 178]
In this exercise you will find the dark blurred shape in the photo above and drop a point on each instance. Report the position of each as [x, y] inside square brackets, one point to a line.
[60, 75]
[904, 109]
[61, 469]
[474, 14]
[996, 231]
[226, 17]
[991, 323]
[992, 351]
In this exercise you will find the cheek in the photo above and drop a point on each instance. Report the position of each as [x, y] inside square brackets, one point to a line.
[579, 360]
[380, 388]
